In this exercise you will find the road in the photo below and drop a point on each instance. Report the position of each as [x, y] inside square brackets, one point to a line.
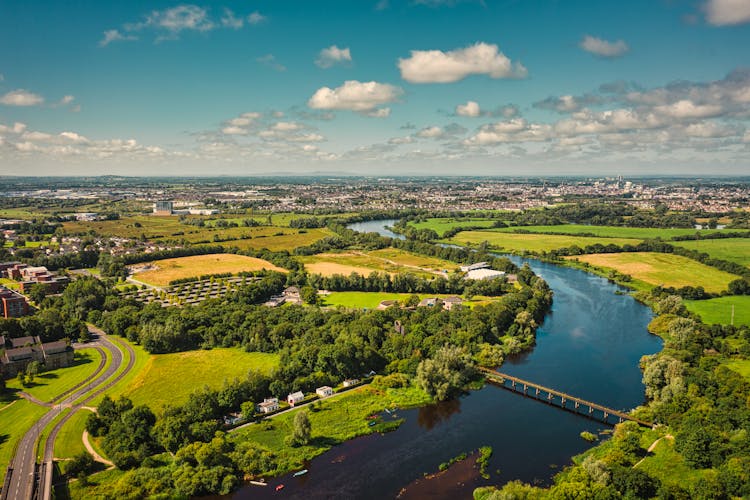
[21, 485]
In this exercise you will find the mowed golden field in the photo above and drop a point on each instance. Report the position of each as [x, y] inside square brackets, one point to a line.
[164, 271]
[660, 269]
[388, 260]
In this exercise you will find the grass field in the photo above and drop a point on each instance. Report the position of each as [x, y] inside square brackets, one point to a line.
[340, 418]
[511, 242]
[741, 366]
[15, 420]
[719, 311]
[197, 265]
[403, 258]
[289, 240]
[669, 466]
[443, 224]
[608, 231]
[731, 249]
[48, 385]
[662, 269]
[370, 300]
[69, 443]
[141, 359]
[170, 378]
[328, 264]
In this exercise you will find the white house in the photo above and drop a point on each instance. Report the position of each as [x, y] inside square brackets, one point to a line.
[269, 405]
[294, 398]
[483, 274]
[324, 391]
[350, 382]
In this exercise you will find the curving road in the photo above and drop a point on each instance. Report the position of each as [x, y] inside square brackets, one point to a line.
[22, 477]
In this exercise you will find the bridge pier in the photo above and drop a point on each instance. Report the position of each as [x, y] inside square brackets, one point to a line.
[550, 396]
[605, 416]
[525, 389]
[591, 410]
[577, 404]
[537, 391]
[562, 400]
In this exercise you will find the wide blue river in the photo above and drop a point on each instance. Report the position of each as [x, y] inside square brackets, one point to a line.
[589, 346]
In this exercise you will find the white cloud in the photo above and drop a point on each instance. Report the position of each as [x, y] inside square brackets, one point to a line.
[603, 48]
[21, 97]
[35, 136]
[688, 109]
[470, 109]
[17, 128]
[435, 66]
[74, 137]
[380, 113]
[430, 132]
[256, 18]
[229, 20]
[115, 36]
[286, 126]
[66, 100]
[727, 12]
[234, 130]
[354, 95]
[180, 18]
[333, 55]
[270, 61]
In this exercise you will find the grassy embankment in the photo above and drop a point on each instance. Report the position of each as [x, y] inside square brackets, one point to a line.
[658, 269]
[336, 420]
[170, 378]
[69, 442]
[197, 265]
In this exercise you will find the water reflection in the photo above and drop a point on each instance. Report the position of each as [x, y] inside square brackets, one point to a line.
[432, 415]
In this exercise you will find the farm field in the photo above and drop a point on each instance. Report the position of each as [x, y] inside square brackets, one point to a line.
[289, 240]
[443, 224]
[662, 269]
[719, 310]
[196, 265]
[403, 258]
[328, 264]
[730, 249]
[608, 231]
[50, 384]
[512, 242]
[170, 378]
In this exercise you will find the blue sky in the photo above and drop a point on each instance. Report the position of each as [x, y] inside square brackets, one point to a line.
[375, 87]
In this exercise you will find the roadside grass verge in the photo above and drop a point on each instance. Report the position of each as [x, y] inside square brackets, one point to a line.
[15, 420]
[141, 358]
[69, 442]
[50, 384]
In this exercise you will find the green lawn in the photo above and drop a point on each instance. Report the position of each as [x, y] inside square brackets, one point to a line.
[608, 231]
[511, 242]
[340, 418]
[370, 300]
[719, 311]
[662, 269]
[15, 420]
[170, 378]
[443, 224]
[141, 359]
[48, 385]
[69, 442]
[730, 249]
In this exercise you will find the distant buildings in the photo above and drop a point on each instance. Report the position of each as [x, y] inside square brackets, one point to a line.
[29, 276]
[20, 352]
[483, 274]
[12, 304]
[269, 405]
[324, 391]
[163, 208]
[167, 208]
[295, 397]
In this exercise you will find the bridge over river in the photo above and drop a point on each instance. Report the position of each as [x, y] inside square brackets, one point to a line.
[559, 399]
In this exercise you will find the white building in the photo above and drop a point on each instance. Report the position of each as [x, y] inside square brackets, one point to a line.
[472, 267]
[484, 274]
[294, 398]
[350, 382]
[269, 405]
[324, 391]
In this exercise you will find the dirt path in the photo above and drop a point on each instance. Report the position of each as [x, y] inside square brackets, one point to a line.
[93, 452]
[653, 447]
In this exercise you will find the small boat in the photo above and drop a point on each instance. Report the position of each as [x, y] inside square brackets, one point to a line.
[280, 487]
[388, 411]
[258, 483]
[300, 473]
[371, 424]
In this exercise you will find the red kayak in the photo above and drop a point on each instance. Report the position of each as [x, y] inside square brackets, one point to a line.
[280, 487]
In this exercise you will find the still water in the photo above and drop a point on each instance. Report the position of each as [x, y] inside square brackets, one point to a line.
[588, 346]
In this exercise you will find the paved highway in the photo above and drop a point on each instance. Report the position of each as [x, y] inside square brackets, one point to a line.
[22, 478]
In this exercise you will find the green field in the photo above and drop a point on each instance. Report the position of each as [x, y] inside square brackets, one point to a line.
[391, 261]
[660, 269]
[69, 442]
[141, 359]
[719, 311]
[48, 385]
[288, 240]
[443, 224]
[741, 366]
[608, 231]
[16, 418]
[511, 242]
[170, 378]
[669, 466]
[370, 300]
[339, 418]
[730, 249]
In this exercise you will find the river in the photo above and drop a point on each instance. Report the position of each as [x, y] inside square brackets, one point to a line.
[588, 346]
